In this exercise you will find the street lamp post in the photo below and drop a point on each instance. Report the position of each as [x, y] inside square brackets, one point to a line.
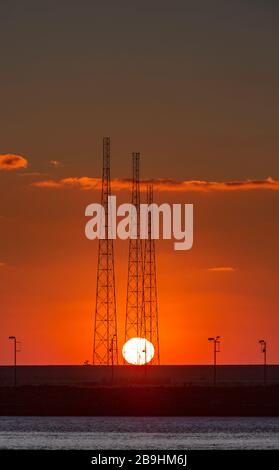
[263, 350]
[216, 341]
[145, 362]
[112, 357]
[13, 338]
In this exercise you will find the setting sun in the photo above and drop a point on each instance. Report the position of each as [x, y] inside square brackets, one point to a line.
[138, 351]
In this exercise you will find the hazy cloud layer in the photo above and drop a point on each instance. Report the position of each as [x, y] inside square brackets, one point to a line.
[222, 269]
[33, 173]
[56, 163]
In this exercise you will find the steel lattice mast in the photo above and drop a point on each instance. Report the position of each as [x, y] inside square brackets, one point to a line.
[135, 265]
[150, 304]
[105, 349]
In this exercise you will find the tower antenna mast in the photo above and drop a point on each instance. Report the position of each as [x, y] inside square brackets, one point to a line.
[105, 348]
[150, 302]
[135, 263]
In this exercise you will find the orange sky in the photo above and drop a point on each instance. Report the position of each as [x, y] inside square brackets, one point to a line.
[226, 285]
[191, 85]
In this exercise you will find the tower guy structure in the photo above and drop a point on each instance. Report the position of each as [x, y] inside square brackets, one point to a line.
[105, 348]
[150, 329]
[134, 302]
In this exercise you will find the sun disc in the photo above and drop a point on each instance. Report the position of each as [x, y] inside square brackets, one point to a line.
[138, 351]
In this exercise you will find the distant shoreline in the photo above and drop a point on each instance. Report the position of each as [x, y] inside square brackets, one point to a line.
[125, 375]
[140, 401]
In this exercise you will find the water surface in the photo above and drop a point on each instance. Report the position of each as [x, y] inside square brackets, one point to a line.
[96, 433]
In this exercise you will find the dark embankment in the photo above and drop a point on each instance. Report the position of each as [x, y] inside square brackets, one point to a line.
[139, 401]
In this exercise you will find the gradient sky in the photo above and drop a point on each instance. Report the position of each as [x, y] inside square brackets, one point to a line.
[191, 85]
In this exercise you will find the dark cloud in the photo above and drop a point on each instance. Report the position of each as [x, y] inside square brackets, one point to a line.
[12, 162]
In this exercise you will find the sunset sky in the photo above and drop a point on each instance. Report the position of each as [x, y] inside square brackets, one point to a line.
[191, 85]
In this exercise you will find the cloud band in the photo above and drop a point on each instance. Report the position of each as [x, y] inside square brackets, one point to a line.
[87, 183]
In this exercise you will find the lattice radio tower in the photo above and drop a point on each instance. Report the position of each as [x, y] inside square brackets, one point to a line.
[105, 350]
[135, 264]
[150, 304]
